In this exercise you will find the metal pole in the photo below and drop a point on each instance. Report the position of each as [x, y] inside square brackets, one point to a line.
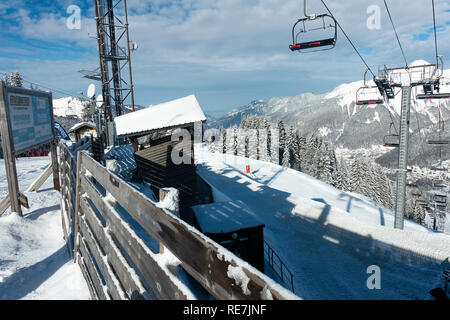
[403, 158]
[129, 56]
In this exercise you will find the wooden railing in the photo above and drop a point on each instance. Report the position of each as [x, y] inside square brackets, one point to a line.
[119, 264]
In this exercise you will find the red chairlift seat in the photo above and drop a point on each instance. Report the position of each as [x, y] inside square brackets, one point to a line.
[429, 96]
[438, 142]
[324, 44]
[368, 94]
[364, 102]
[312, 44]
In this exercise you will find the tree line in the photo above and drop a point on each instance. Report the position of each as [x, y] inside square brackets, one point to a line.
[256, 138]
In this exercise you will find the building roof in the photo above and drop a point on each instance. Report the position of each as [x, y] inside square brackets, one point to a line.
[81, 125]
[224, 217]
[170, 114]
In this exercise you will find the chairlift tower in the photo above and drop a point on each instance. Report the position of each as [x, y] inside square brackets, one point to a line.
[114, 55]
[404, 78]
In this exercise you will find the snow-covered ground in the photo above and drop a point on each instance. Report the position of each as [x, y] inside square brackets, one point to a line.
[327, 237]
[34, 260]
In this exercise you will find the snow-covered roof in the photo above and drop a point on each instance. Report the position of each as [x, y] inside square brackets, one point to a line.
[224, 217]
[82, 124]
[165, 115]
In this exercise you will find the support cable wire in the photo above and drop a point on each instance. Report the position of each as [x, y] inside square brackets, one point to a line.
[345, 34]
[395, 31]
[49, 87]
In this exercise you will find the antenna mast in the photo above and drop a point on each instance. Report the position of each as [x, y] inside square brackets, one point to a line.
[114, 55]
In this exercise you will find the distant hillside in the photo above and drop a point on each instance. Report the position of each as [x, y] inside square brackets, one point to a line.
[335, 115]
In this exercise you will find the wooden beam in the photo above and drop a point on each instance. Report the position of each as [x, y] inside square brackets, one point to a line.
[123, 270]
[160, 280]
[54, 165]
[111, 281]
[41, 179]
[6, 202]
[94, 276]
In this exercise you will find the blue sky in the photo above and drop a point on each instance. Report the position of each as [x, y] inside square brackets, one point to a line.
[226, 52]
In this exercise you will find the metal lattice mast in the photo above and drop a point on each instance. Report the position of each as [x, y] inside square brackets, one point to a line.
[403, 157]
[114, 56]
[405, 78]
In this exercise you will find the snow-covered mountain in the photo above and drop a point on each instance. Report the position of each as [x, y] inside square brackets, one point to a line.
[68, 111]
[336, 115]
[68, 106]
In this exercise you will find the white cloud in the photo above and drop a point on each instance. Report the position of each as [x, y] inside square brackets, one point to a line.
[199, 42]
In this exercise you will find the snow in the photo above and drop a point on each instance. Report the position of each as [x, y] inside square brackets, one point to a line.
[34, 260]
[328, 238]
[240, 277]
[82, 124]
[224, 217]
[69, 106]
[173, 113]
[121, 160]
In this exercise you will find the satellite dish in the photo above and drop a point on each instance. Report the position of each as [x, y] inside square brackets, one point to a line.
[134, 46]
[91, 91]
[99, 101]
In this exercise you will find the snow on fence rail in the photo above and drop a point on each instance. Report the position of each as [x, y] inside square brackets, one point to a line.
[117, 264]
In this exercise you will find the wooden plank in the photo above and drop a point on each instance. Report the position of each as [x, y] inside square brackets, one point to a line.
[41, 179]
[23, 200]
[113, 254]
[6, 202]
[55, 171]
[141, 255]
[200, 255]
[88, 279]
[111, 281]
[98, 285]
[77, 201]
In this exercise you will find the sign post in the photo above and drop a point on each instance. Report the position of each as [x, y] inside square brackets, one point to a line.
[26, 121]
[8, 155]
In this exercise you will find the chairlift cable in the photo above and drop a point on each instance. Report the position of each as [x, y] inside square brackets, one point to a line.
[345, 34]
[395, 31]
[49, 87]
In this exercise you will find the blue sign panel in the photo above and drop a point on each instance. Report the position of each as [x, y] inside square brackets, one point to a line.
[31, 120]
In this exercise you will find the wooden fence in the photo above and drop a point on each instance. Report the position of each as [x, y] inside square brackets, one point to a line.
[118, 264]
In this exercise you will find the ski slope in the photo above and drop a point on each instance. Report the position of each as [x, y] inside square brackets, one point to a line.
[326, 237]
[34, 260]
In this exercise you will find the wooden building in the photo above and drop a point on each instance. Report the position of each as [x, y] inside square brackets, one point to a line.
[232, 225]
[81, 130]
[152, 131]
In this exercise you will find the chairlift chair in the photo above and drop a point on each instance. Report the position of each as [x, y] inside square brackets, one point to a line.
[440, 198]
[438, 141]
[363, 93]
[391, 140]
[301, 28]
[368, 94]
[438, 184]
[432, 87]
